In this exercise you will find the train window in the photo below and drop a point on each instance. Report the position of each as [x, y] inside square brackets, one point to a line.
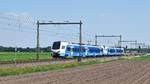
[68, 49]
[63, 47]
[121, 50]
[76, 49]
[118, 50]
[83, 49]
[56, 45]
[98, 50]
[90, 50]
[112, 50]
[101, 50]
[73, 49]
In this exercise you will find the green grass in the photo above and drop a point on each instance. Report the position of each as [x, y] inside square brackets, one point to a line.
[6, 71]
[141, 58]
[38, 68]
[11, 56]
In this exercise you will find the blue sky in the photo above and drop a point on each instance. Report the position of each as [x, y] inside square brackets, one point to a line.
[130, 18]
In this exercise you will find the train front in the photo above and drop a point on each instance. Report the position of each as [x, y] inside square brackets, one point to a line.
[59, 49]
[56, 49]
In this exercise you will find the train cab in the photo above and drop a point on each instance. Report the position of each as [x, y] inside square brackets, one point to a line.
[58, 48]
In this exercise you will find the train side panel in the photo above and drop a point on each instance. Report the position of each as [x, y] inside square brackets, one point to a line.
[65, 49]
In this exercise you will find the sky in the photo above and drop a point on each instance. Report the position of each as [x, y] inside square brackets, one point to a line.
[129, 18]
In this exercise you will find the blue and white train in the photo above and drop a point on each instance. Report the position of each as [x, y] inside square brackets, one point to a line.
[62, 49]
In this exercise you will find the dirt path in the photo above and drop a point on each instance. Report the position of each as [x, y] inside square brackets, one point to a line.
[116, 72]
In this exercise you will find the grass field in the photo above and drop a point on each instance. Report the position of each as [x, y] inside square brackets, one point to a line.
[141, 58]
[11, 56]
[38, 68]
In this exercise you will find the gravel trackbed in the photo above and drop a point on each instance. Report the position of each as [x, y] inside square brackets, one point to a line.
[116, 72]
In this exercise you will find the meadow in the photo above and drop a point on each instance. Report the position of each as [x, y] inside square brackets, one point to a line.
[12, 56]
[40, 68]
[141, 58]
[6, 71]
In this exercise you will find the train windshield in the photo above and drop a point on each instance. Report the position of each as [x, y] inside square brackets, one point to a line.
[56, 45]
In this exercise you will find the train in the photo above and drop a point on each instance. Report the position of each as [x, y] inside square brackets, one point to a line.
[62, 49]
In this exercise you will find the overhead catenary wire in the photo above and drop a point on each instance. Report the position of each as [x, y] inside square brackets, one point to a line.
[45, 33]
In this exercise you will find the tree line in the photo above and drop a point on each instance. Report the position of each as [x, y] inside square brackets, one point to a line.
[20, 49]
[48, 49]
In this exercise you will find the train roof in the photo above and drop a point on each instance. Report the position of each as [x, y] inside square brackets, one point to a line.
[87, 45]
